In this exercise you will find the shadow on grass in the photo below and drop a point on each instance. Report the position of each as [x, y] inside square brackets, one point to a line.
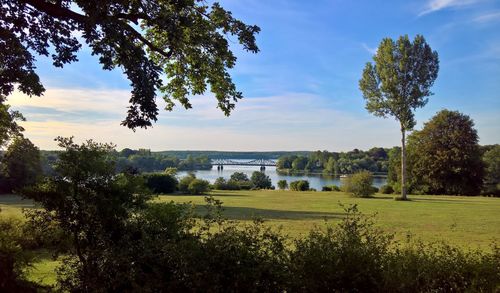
[245, 213]
[437, 200]
[15, 201]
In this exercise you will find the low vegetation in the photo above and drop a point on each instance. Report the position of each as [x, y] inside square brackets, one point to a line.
[359, 184]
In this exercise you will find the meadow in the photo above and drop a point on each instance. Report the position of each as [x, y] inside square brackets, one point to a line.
[464, 221]
[469, 222]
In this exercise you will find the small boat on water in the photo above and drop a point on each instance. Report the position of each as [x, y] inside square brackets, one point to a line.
[343, 176]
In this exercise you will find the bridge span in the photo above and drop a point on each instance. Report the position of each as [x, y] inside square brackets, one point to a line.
[262, 163]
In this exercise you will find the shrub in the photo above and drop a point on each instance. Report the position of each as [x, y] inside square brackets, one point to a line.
[261, 180]
[330, 188]
[386, 189]
[282, 184]
[185, 181]
[351, 256]
[219, 183]
[198, 186]
[359, 184]
[160, 182]
[239, 176]
[299, 185]
[13, 257]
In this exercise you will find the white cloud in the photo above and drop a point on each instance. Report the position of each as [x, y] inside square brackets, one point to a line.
[368, 49]
[436, 5]
[293, 121]
[488, 17]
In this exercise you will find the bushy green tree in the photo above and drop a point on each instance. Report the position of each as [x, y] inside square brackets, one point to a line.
[185, 181]
[92, 205]
[299, 163]
[282, 184]
[14, 257]
[187, 41]
[260, 180]
[239, 177]
[445, 155]
[160, 182]
[198, 186]
[398, 82]
[220, 183]
[491, 160]
[359, 184]
[21, 164]
[299, 185]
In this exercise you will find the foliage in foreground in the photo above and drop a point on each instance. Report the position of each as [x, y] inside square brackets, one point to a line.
[118, 241]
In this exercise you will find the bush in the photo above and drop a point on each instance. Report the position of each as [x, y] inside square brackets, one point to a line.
[13, 257]
[282, 184]
[185, 181]
[160, 182]
[198, 186]
[359, 184]
[351, 256]
[330, 188]
[386, 189]
[299, 185]
[261, 180]
[239, 176]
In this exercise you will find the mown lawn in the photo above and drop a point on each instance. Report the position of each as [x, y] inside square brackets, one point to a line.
[464, 221]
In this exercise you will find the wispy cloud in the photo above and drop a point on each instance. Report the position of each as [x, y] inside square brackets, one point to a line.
[436, 5]
[488, 17]
[368, 49]
[291, 121]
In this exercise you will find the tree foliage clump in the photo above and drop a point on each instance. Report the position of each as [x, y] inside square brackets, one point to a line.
[282, 184]
[398, 82]
[21, 165]
[160, 182]
[299, 185]
[186, 40]
[14, 257]
[491, 160]
[445, 157]
[261, 181]
[189, 184]
[359, 184]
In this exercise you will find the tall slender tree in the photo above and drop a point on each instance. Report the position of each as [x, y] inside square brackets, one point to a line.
[399, 82]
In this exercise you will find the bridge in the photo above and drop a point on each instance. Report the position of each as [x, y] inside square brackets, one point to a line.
[262, 163]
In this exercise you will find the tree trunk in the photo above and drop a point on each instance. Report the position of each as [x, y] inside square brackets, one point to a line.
[403, 164]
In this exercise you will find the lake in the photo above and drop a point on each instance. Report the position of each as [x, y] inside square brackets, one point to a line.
[316, 181]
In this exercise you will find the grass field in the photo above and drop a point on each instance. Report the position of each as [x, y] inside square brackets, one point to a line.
[464, 221]
[469, 222]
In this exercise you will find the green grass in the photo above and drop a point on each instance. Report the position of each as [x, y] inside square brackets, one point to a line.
[43, 269]
[464, 221]
[472, 222]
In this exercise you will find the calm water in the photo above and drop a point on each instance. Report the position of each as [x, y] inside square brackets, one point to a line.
[315, 181]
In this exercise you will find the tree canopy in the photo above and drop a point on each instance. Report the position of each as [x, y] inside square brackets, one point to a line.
[398, 83]
[445, 157]
[176, 48]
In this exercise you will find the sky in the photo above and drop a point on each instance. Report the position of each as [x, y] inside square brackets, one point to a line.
[300, 91]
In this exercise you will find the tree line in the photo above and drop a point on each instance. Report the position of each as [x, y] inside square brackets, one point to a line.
[336, 163]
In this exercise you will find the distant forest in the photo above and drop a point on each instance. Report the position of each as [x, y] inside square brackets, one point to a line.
[376, 160]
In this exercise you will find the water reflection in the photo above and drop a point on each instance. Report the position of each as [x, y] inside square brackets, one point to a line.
[316, 181]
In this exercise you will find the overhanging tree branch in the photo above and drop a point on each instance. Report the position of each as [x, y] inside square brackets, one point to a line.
[65, 13]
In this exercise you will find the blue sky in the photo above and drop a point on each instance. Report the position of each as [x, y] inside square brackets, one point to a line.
[301, 91]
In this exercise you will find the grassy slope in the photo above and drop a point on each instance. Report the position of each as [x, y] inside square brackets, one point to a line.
[465, 221]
